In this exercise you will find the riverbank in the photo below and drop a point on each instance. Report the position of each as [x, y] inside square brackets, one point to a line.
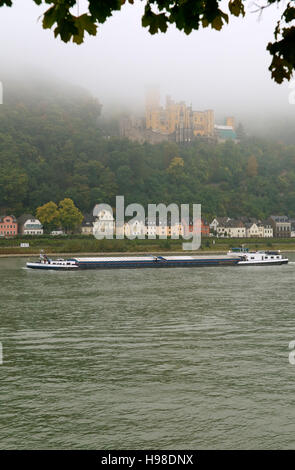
[118, 253]
[88, 246]
[115, 253]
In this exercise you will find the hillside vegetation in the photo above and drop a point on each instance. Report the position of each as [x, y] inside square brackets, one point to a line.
[57, 146]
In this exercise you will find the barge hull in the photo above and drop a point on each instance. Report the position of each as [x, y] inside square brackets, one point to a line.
[156, 264]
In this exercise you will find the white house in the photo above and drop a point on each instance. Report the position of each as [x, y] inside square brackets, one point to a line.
[104, 224]
[175, 230]
[254, 230]
[232, 229]
[267, 229]
[33, 227]
[218, 221]
[162, 229]
[259, 229]
[151, 229]
[29, 225]
[134, 228]
[87, 224]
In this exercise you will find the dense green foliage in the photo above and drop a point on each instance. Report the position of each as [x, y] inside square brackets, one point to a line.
[59, 149]
[186, 15]
[65, 216]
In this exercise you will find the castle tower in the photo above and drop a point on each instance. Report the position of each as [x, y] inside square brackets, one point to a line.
[152, 107]
[210, 122]
[230, 121]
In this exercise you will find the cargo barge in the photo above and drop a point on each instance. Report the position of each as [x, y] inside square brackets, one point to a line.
[129, 262]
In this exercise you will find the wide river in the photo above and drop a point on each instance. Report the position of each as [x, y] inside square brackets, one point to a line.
[147, 359]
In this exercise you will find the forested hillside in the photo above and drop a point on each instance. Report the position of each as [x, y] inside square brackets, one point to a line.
[56, 147]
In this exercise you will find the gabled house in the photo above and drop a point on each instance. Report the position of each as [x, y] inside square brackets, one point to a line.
[135, 228]
[232, 229]
[162, 229]
[29, 225]
[267, 228]
[255, 230]
[218, 221]
[87, 224]
[151, 228]
[104, 224]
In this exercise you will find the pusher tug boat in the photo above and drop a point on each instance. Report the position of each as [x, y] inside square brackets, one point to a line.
[123, 262]
[58, 264]
[257, 258]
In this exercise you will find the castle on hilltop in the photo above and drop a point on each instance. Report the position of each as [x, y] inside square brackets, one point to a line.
[177, 119]
[176, 122]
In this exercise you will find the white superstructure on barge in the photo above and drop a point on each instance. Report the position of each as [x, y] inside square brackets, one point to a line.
[258, 258]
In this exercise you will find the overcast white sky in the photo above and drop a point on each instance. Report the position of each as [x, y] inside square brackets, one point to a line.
[226, 71]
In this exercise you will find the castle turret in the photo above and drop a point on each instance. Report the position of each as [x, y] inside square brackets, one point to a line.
[230, 121]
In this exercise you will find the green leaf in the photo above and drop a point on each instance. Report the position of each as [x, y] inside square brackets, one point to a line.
[87, 23]
[101, 10]
[66, 29]
[49, 18]
[84, 23]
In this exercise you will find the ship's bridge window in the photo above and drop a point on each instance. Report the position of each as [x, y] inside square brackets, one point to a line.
[252, 257]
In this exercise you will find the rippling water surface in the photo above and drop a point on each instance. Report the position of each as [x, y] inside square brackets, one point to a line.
[160, 359]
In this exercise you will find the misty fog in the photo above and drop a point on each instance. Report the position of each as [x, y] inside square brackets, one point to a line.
[226, 71]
